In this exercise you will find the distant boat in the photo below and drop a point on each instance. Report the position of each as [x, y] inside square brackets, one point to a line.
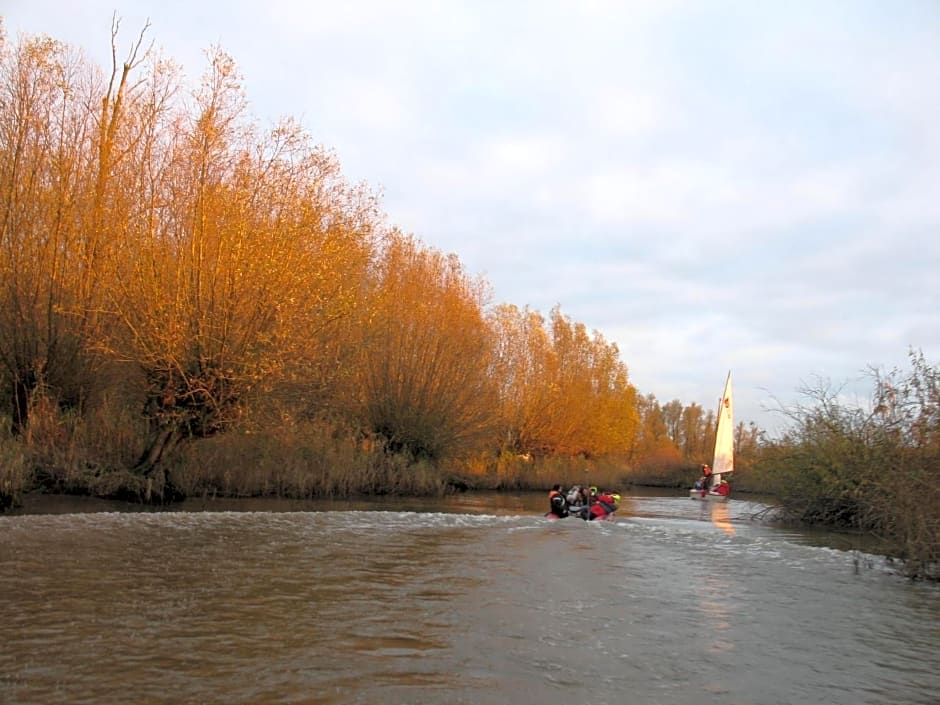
[723, 461]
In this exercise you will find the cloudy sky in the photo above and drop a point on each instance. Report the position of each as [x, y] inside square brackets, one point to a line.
[712, 185]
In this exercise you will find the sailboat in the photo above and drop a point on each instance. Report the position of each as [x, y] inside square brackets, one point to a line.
[723, 461]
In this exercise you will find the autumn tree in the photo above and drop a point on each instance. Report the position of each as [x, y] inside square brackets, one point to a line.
[697, 435]
[562, 391]
[653, 434]
[424, 387]
[522, 365]
[672, 417]
[596, 403]
[230, 268]
[47, 230]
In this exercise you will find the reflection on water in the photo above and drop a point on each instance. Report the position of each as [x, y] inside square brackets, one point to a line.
[464, 600]
[720, 516]
[717, 594]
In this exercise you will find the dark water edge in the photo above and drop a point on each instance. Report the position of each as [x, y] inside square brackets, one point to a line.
[473, 502]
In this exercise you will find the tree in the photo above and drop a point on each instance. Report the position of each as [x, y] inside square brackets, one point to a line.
[232, 266]
[424, 387]
[697, 426]
[51, 232]
[563, 392]
[522, 366]
[672, 416]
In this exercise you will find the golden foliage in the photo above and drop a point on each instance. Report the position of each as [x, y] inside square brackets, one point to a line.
[46, 157]
[225, 263]
[425, 387]
[562, 391]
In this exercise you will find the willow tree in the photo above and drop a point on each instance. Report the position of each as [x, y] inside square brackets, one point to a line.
[596, 413]
[54, 189]
[690, 429]
[424, 387]
[524, 366]
[64, 139]
[231, 267]
[31, 256]
[652, 441]
[562, 391]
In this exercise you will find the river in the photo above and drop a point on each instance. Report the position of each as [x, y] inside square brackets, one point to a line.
[475, 599]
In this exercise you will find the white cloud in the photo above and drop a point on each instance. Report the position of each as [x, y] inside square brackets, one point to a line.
[526, 156]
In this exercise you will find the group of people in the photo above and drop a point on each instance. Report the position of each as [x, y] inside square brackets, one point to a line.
[587, 503]
[706, 483]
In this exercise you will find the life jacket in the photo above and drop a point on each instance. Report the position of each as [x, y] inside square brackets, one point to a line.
[723, 489]
[604, 505]
[558, 503]
[706, 478]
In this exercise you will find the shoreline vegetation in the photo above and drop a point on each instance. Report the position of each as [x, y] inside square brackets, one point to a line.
[192, 304]
[838, 466]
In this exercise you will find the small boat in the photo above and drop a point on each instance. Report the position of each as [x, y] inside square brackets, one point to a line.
[591, 511]
[723, 461]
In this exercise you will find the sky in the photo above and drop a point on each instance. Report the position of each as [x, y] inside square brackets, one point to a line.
[712, 186]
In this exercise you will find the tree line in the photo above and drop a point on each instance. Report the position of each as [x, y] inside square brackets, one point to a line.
[174, 272]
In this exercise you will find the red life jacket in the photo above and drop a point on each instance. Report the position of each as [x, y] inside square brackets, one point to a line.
[604, 505]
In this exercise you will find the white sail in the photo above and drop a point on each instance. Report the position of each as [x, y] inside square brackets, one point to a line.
[723, 461]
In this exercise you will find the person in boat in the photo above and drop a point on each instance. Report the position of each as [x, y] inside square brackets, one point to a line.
[557, 502]
[579, 501]
[575, 497]
[704, 482]
[723, 488]
[605, 505]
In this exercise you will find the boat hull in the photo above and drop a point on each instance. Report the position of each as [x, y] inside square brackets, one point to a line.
[578, 515]
[707, 496]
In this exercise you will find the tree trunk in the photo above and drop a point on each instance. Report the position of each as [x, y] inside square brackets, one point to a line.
[158, 487]
[23, 388]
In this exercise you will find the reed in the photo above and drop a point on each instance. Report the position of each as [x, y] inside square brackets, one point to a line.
[510, 471]
[307, 460]
[14, 472]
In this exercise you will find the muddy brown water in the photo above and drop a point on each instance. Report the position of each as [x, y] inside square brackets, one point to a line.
[473, 599]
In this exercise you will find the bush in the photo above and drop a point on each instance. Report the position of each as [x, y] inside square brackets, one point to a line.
[874, 470]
